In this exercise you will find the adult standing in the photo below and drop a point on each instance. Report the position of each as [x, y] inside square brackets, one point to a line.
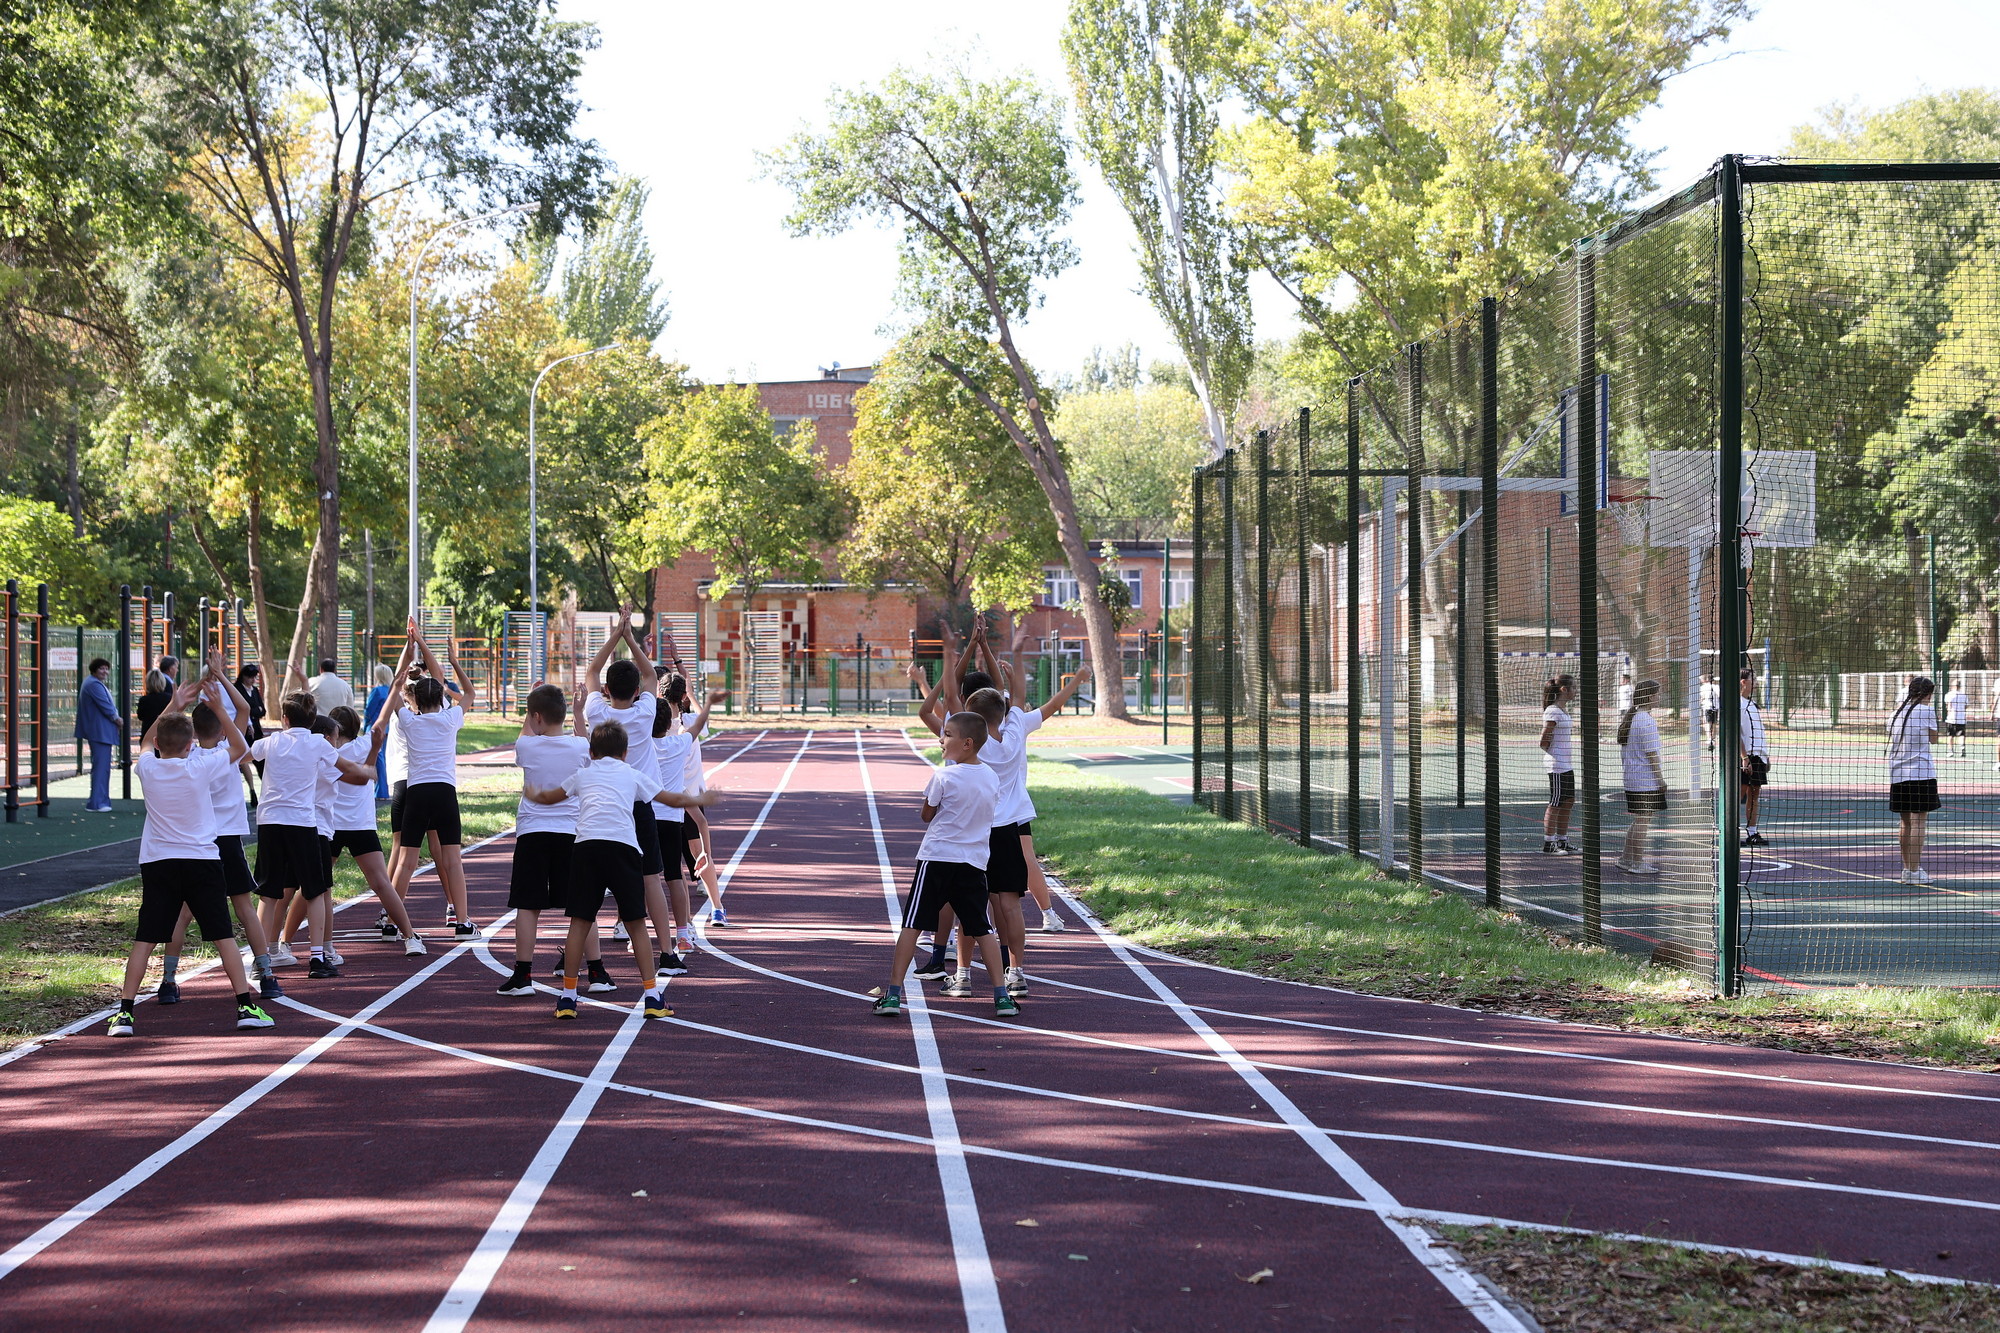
[170, 668]
[329, 689]
[378, 699]
[158, 694]
[250, 684]
[98, 723]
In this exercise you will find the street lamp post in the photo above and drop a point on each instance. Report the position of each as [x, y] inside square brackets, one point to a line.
[538, 656]
[415, 266]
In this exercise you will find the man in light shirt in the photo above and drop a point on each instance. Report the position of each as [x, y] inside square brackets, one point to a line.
[329, 690]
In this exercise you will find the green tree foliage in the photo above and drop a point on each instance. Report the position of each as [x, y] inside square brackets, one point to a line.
[723, 481]
[39, 545]
[941, 497]
[1131, 453]
[975, 175]
[1144, 72]
[607, 293]
[1402, 161]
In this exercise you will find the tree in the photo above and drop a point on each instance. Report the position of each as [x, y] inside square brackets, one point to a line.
[976, 176]
[607, 293]
[1144, 72]
[304, 114]
[1131, 455]
[941, 497]
[723, 481]
[38, 545]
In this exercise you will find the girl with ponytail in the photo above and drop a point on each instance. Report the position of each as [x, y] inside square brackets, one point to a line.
[1556, 762]
[1913, 789]
[1645, 781]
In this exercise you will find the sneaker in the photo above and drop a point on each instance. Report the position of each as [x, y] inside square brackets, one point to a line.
[268, 987]
[937, 965]
[889, 1005]
[717, 917]
[121, 1024]
[1568, 848]
[413, 947]
[566, 1006]
[322, 968]
[450, 916]
[600, 980]
[1919, 876]
[385, 927]
[958, 985]
[1004, 1007]
[1548, 847]
[1017, 981]
[168, 993]
[250, 1016]
[521, 981]
[619, 934]
[671, 965]
[465, 930]
[656, 1006]
[334, 956]
[1637, 867]
[282, 956]
[1756, 840]
[1053, 924]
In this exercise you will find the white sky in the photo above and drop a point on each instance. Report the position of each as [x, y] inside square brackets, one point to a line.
[686, 95]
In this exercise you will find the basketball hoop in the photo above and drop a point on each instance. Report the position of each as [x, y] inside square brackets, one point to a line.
[1631, 511]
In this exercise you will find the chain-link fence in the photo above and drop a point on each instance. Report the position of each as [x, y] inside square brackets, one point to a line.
[1480, 623]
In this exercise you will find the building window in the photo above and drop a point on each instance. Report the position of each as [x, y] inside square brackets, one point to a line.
[1180, 587]
[1135, 584]
[1058, 586]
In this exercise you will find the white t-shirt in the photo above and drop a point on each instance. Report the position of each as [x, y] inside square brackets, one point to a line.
[694, 778]
[294, 760]
[1642, 738]
[331, 692]
[180, 814]
[605, 791]
[1624, 695]
[352, 808]
[547, 761]
[1556, 758]
[1711, 696]
[670, 756]
[1910, 744]
[1955, 704]
[638, 724]
[225, 796]
[1753, 729]
[430, 744]
[1006, 753]
[394, 753]
[966, 795]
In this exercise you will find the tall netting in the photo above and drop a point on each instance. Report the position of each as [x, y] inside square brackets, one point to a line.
[1872, 393]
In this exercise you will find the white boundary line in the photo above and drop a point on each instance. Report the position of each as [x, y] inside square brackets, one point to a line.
[461, 1301]
[976, 1284]
[76, 1216]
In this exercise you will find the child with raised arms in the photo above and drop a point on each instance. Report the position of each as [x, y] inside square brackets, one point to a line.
[350, 817]
[623, 692]
[691, 722]
[289, 856]
[430, 724]
[179, 864]
[959, 802]
[605, 857]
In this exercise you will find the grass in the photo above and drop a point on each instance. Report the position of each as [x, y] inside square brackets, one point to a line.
[485, 732]
[1590, 1283]
[1177, 878]
[65, 960]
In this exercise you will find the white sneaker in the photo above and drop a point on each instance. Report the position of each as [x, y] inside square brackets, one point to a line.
[333, 956]
[413, 947]
[619, 933]
[1918, 876]
[282, 956]
[958, 985]
[1052, 923]
[1630, 867]
[1016, 982]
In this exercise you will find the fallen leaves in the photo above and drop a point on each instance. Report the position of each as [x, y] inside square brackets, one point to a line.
[1260, 1276]
[1027, 1222]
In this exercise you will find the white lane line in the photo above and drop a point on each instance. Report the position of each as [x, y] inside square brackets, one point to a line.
[76, 1216]
[483, 1265]
[976, 1284]
[480, 1269]
[738, 754]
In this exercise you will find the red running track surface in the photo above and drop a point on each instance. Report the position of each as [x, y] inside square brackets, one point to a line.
[408, 1150]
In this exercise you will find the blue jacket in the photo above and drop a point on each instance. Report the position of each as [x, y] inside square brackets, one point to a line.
[96, 716]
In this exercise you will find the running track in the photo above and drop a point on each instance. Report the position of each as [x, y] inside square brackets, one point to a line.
[408, 1150]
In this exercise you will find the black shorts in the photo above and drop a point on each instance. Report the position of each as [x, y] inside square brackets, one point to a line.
[1645, 802]
[1756, 770]
[430, 807]
[166, 886]
[289, 856]
[1954, 728]
[1711, 715]
[647, 829]
[1916, 797]
[672, 837]
[950, 884]
[357, 843]
[1027, 828]
[597, 865]
[1562, 788]
[397, 791]
[541, 871]
[690, 839]
[1006, 864]
[236, 876]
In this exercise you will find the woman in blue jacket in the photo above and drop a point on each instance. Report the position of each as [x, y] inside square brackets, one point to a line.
[98, 723]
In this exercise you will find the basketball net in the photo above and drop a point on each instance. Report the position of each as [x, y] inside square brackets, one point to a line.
[1631, 511]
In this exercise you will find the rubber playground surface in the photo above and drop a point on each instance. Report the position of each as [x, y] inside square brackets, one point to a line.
[409, 1150]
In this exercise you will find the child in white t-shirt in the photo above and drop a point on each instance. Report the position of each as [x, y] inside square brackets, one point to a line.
[1645, 780]
[1913, 787]
[1558, 764]
[1956, 701]
[429, 722]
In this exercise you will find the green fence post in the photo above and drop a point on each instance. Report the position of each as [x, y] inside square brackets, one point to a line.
[1729, 567]
[1302, 525]
[729, 683]
[1586, 595]
[1413, 643]
[1489, 584]
[1196, 651]
[1263, 674]
[832, 686]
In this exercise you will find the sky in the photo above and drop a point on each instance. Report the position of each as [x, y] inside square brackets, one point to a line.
[688, 95]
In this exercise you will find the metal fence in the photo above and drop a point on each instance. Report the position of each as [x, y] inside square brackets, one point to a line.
[1424, 616]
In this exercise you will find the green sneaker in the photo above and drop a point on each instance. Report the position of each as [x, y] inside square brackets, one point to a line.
[890, 1004]
[1004, 1007]
[250, 1016]
[121, 1024]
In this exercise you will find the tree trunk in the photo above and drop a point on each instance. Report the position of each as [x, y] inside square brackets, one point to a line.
[324, 573]
[208, 553]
